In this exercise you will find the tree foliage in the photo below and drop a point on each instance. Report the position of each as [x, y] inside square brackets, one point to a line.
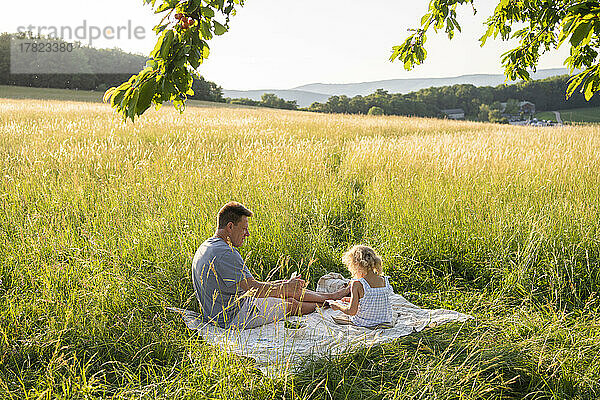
[185, 29]
[389, 103]
[267, 100]
[543, 25]
[375, 111]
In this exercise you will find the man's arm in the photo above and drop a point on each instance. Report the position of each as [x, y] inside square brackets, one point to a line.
[285, 288]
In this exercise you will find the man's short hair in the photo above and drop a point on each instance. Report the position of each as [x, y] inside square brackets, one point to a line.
[231, 212]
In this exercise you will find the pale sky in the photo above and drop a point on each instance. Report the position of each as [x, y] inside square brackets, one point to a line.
[280, 44]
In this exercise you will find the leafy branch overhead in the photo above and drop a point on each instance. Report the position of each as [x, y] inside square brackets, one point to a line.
[185, 29]
[544, 25]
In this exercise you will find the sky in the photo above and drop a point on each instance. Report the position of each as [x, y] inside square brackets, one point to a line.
[282, 44]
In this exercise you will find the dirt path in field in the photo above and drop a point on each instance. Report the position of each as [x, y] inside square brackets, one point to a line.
[557, 115]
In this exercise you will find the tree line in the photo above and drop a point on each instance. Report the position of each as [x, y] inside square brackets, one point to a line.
[481, 103]
[89, 58]
[547, 94]
[267, 100]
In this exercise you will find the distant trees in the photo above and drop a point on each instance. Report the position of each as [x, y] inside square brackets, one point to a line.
[391, 104]
[207, 90]
[492, 113]
[267, 100]
[479, 103]
[272, 101]
[375, 111]
[512, 107]
[92, 59]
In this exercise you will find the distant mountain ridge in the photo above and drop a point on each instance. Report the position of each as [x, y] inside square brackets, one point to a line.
[305, 95]
[414, 84]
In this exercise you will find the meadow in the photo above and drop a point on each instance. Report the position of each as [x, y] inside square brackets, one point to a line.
[100, 220]
[574, 115]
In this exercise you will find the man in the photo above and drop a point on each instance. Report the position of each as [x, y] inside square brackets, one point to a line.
[226, 290]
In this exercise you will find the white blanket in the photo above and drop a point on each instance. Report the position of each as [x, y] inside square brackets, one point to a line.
[275, 347]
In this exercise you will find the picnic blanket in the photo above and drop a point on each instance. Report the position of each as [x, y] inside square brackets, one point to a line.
[276, 347]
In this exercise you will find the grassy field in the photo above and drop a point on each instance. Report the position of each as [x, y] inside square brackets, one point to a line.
[575, 115]
[21, 92]
[100, 220]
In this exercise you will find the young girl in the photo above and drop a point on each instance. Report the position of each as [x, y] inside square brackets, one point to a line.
[370, 292]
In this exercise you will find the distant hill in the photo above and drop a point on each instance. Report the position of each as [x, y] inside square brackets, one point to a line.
[305, 95]
[412, 85]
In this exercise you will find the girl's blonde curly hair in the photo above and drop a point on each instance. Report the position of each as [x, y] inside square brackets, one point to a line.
[361, 259]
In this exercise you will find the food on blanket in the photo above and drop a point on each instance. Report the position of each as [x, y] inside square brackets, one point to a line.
[293, 324]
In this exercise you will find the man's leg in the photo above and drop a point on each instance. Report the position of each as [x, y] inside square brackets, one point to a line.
[316, 297]
[260, 311]
[295, 307]
[309, 300]
[272, 309]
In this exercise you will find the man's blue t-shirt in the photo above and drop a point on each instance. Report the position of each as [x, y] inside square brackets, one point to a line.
[216, 269]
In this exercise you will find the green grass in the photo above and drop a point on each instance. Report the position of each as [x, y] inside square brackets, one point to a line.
[100, 220]
[22, 92]
[575, 115]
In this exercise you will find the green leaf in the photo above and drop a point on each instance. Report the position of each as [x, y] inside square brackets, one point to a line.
[168, 89]
[166, 44]
[164, 6]
[424, 18]
[589, 92]
[457, 25]
[219, 29]
[179, 104]
[582, 31]
[205, 28]
[132, 103]
[159, 28]
[126, 98]
[155, 53]
[207, 12]
[147, 92]
[501, 5]
[574, 83]
[194, 59]
[566, 29]
[151, 63]
[117, 98]
[108, 94]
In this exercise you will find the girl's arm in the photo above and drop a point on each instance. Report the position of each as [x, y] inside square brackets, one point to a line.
[352, 307]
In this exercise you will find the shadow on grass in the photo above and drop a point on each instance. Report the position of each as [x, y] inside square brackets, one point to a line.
[450, 362]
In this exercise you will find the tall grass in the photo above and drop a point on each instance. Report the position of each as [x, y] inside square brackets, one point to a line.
[100, 220]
